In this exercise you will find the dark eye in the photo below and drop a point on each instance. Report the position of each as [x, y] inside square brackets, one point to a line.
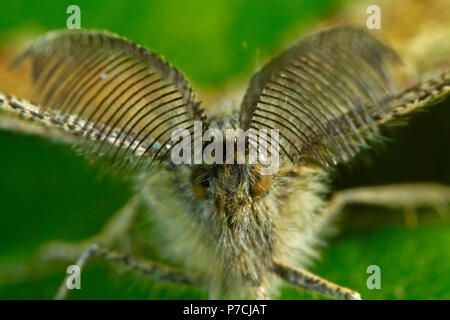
[262, 183]
[200, 183]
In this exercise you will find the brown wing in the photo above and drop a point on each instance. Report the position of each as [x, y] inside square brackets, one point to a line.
[113, 92]
[324, 95]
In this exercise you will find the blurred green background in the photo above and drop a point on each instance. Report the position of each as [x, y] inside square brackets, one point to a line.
[48, 192]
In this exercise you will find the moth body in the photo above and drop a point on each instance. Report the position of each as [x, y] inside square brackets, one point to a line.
[228, 235]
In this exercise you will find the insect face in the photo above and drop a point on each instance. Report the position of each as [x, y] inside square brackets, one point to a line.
[231, 188]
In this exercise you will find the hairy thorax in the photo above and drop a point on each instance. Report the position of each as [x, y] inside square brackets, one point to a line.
[229, 235]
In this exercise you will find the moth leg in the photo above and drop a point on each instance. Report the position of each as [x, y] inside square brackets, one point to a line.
[145, 267]
[406, 196]
[309, 281]
[114, 230]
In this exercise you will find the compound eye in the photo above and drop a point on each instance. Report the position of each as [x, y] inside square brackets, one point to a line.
[262, 183]
[200, 183]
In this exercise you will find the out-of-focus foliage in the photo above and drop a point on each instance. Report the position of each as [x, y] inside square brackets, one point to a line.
[211, 41]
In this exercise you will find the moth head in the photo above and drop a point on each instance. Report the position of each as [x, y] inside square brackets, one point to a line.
[230, 184]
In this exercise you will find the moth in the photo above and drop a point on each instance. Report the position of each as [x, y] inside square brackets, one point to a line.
[234, 230]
